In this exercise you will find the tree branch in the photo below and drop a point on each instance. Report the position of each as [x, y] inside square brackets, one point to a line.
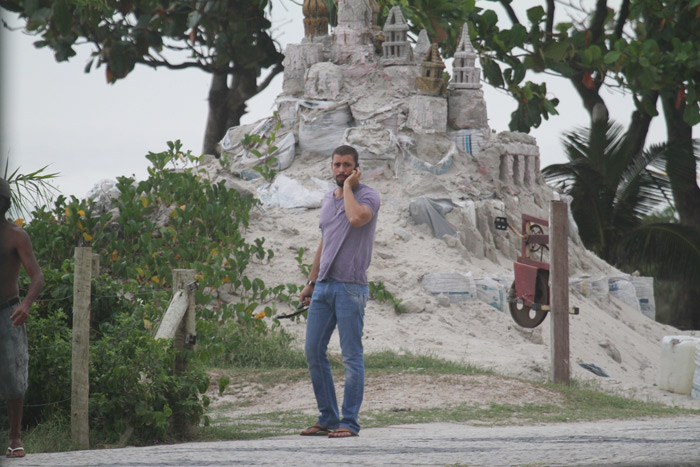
[622, 19]
[274, 72]
[511, 14]
[598, 21]
[550, 17]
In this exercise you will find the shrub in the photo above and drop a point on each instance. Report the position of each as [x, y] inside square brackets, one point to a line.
[175, 219]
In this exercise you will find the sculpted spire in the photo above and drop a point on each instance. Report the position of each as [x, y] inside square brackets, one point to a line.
[315, 18]
[465, 75]
[395, 49]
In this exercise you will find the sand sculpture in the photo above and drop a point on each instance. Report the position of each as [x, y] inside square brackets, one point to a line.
[443, 176]
[395, 103]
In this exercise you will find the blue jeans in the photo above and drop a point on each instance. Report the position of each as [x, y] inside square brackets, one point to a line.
[337, 304]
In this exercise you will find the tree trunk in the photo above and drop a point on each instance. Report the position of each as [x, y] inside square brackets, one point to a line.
[217, 117]
[682, 172]
[680, 165]
[227, 104]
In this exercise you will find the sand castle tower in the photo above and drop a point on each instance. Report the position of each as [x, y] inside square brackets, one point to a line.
[395, 49]
[430, 82]
[353, 36]
[315, 18]
[465, 74]
[313, 49]
[466, 105]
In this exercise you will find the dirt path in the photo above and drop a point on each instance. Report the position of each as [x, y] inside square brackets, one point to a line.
[383, 391]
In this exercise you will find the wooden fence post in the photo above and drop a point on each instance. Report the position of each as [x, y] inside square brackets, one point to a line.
[80, 370]
[182, 341]
[559, 241]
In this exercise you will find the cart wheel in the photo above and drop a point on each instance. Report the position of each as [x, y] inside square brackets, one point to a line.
[524, 315]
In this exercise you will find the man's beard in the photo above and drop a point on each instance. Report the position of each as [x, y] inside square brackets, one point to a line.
[339, 182]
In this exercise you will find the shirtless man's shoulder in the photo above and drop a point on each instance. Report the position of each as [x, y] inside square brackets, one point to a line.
[15, 246]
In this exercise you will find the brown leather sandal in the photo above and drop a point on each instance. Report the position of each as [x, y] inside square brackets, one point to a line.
[341, 432]
[315, 430]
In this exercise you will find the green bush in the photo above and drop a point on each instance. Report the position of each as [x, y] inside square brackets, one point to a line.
[133, 384]
[177, 218]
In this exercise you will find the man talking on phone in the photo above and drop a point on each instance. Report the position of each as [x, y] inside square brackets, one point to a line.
[337, 291]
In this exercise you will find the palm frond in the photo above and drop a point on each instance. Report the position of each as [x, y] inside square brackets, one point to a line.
[29, 190]
[666, 250]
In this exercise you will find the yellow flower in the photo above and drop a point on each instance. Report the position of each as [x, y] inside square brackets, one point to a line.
[144, 201]
[81, 213]
[87, 237]
[115, 256]
[260, 315]
[213, 251]
[226, 280]
[155, 279]
[19, 222]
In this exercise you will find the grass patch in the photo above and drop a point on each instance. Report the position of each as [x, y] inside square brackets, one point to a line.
[425, 364]
[580, 402]
[51, 436]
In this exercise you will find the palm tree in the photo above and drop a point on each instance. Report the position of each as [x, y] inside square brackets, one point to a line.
[611, 190]
[615, 196]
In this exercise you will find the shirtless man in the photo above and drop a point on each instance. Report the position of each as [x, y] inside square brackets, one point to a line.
[15, 251]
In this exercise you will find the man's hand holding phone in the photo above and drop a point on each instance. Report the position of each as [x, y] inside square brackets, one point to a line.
[353, 180]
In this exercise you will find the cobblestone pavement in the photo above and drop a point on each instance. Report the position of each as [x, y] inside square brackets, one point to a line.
[653, 442]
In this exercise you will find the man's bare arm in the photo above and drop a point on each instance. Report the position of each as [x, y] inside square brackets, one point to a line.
[313, 275]
[357, 214]
[26, 256]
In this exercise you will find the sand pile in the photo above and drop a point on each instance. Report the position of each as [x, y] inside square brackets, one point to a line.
[421, 146]
[607, 332]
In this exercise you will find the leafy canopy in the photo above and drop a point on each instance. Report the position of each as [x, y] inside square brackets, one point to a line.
[211, 35]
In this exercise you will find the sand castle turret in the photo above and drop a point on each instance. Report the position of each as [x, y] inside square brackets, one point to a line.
[465, 103]
[353, 36]
[315, 18]
[395, 49]
[430, 81]
[465, 74]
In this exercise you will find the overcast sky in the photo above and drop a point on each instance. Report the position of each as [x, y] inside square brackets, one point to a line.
[55, 114]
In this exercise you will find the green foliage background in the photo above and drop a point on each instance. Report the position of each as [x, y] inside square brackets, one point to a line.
[177, 218]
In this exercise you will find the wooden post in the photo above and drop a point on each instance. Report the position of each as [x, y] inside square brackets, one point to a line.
[559, 241]
[80, 384]
[181, 279]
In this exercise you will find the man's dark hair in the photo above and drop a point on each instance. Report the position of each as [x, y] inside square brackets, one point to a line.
[346, 150]
[4, 206]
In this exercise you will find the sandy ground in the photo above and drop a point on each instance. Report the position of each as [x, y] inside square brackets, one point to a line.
[620, 340]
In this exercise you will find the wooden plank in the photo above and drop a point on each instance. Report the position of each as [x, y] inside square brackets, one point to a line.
[80, 383]
[559, 242]
[181, 279]
[173, 315]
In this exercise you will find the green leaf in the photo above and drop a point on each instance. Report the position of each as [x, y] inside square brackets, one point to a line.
[612, 57]
[691, 114]
[492, 72]
[535, 14]
[556, 51]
